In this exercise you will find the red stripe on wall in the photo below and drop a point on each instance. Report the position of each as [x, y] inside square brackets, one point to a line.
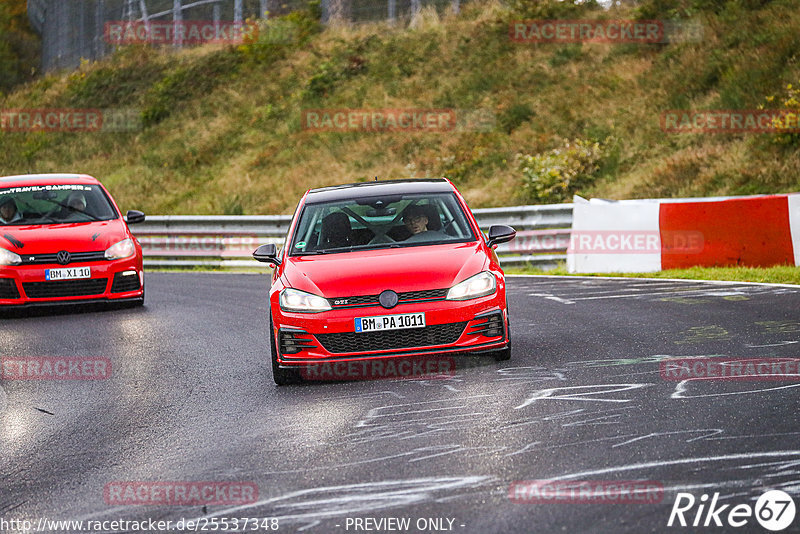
[747, 231]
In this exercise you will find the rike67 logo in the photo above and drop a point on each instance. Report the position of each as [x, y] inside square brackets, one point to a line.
[774, 510]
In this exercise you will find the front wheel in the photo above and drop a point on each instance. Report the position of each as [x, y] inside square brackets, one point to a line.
[282, 377]
[503, 355]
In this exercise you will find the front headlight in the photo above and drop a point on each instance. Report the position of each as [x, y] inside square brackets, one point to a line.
[480, 285]
[299, 301]
[121, 249]
[9, 258]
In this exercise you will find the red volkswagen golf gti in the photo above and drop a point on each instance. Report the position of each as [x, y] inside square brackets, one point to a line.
[62, 240]
[384, 270]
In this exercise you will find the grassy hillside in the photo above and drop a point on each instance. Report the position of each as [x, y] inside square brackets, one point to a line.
[221, 125]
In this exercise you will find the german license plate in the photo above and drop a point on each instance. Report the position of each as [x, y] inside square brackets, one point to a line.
[68, 274]
[389, 322]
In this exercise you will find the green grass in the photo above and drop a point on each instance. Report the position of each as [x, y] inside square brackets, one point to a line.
[222, 124]
[782, 274]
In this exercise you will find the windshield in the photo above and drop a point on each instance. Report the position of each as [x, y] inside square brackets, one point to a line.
[380, 222]
[54, 204]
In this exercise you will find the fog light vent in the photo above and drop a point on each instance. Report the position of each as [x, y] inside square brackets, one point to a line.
[488, 325]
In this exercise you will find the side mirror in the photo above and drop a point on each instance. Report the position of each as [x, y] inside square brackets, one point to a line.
[134, 216]
[500, 233]
[267, 254]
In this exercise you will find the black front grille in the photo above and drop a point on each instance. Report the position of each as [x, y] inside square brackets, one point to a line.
[354, 301]
[423, 295]
[123, 283]
[372, 300]
[65, 288]
[8, 289]
[75, 257]
[428, 336]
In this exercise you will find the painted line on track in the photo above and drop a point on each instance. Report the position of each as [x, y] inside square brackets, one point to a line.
[716, 282]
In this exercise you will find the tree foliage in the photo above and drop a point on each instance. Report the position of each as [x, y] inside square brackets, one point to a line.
[19, 45]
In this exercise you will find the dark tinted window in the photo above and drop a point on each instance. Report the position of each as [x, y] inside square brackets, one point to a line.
[380, 222]
[49, 204]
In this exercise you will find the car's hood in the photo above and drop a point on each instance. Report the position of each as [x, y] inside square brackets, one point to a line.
[73, 237]
[398, 269]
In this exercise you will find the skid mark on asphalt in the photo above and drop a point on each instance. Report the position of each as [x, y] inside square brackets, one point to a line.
[683, 389]
[590, 393]
[571, 291]
[704, 433]
[613, 416]
[778, 470]
[368, 395]
[622, 440]
[529, 374]
[413, 420]
[701, 434]
[613, 362]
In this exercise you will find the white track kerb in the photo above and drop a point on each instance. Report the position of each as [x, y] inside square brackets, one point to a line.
[631, 217]
[794, 225]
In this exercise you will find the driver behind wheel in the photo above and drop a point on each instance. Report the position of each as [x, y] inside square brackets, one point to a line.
[9, 212]
[415, 219]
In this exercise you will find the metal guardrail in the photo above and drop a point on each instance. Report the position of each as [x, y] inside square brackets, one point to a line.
[228, 241]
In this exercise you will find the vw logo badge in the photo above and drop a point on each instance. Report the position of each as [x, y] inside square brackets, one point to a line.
[63, 257]
[388, 299]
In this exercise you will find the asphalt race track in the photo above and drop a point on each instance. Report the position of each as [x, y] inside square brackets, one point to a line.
[191, 398]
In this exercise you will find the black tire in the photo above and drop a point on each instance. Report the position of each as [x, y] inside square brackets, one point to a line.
[282, 377]
[503, 355]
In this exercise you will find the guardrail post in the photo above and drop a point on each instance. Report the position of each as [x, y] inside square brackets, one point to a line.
[237, 13]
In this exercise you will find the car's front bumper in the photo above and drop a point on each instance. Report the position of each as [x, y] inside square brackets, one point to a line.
[117, 280]
[478, 325]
